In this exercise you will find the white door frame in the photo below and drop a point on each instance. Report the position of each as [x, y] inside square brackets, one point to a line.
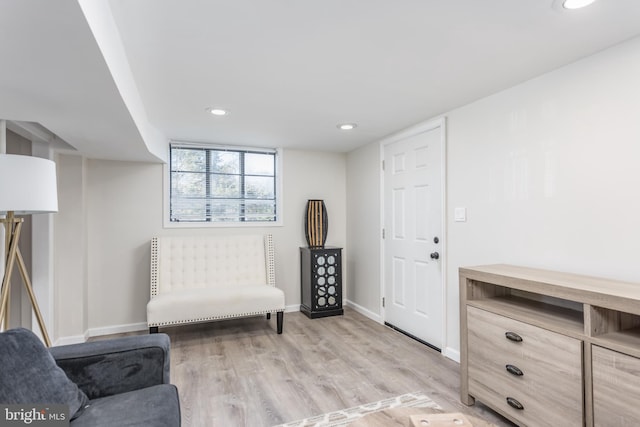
[411, 131]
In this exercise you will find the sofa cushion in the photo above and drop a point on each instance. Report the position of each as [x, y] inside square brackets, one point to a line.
[196, 305]
[105, 367]
[29, 374]
[156, 406]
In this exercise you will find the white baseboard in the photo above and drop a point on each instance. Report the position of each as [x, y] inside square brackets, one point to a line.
[448, 352]
[365, 312]
[452, 354]
[292, 308]
[117, 329]
[120, 329]
[73, 339]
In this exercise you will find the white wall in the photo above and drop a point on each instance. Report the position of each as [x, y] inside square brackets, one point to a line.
[548, 171]
[70, 250]
[309, 175]
[124, 211]
[363, 229]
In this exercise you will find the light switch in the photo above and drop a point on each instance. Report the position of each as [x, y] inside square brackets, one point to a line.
[460, 214]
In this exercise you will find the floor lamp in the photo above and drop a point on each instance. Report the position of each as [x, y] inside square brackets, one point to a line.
[27, 186]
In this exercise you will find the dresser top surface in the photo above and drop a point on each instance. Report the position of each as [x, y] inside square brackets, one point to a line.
[571, 286]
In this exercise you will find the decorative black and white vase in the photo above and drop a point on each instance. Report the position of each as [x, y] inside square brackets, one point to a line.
[316, 223]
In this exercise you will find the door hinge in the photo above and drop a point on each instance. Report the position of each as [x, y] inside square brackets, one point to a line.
[383, 302]
[383, 165]
[383, 233]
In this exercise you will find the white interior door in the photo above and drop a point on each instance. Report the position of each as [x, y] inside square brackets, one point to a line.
[413, 282]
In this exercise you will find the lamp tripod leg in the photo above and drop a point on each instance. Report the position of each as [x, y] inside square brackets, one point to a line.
[4, 320]
[4, 307]
[32, 297]
[13, 254]
[6, 280]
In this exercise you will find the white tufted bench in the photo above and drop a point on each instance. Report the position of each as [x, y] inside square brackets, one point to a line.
[199, 279]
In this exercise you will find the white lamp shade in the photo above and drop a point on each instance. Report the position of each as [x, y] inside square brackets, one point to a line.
[27, 185]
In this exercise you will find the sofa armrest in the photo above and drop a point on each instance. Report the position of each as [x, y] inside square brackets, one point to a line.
[104, 368]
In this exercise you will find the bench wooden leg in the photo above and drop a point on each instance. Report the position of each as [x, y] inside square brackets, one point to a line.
[280, 320]
[153, 330]
[268, 316]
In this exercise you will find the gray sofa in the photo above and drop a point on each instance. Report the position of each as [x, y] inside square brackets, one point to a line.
[117, 382]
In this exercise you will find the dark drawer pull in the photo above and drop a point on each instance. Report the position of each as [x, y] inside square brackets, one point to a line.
[514, 370]
[514, 403]
[513, 336]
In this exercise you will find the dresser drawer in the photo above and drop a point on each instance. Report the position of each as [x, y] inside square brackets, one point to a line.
[616, 387]
[546, 370]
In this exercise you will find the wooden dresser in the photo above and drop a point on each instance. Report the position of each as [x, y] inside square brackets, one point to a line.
[546, 348]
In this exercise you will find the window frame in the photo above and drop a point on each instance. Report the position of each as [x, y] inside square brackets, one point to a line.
[224, 224]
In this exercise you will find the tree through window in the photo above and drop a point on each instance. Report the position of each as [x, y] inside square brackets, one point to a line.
[210, 184]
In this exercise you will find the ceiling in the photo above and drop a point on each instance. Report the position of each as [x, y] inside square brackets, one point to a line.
[117, 79]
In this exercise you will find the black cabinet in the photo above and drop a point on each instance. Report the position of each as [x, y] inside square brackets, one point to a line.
[321, 281]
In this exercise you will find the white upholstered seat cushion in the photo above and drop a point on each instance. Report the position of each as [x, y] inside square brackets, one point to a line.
[197, 305]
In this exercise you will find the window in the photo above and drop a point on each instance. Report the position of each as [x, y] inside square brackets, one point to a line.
[210, 184]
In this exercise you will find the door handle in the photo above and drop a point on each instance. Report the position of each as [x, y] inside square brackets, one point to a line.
[435, 255]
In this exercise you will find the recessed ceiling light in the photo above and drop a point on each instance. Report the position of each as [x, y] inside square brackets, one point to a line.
[347, 126]
[217, 111]
[576, 4]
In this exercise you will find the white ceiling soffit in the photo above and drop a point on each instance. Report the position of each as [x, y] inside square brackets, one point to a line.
[54, 74]
[100, 19]
[117, 78]
[38, 133]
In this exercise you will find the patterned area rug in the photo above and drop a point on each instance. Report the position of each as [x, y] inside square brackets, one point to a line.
[346, 416]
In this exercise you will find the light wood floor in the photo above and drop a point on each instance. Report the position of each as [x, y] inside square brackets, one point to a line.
[241, 373]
